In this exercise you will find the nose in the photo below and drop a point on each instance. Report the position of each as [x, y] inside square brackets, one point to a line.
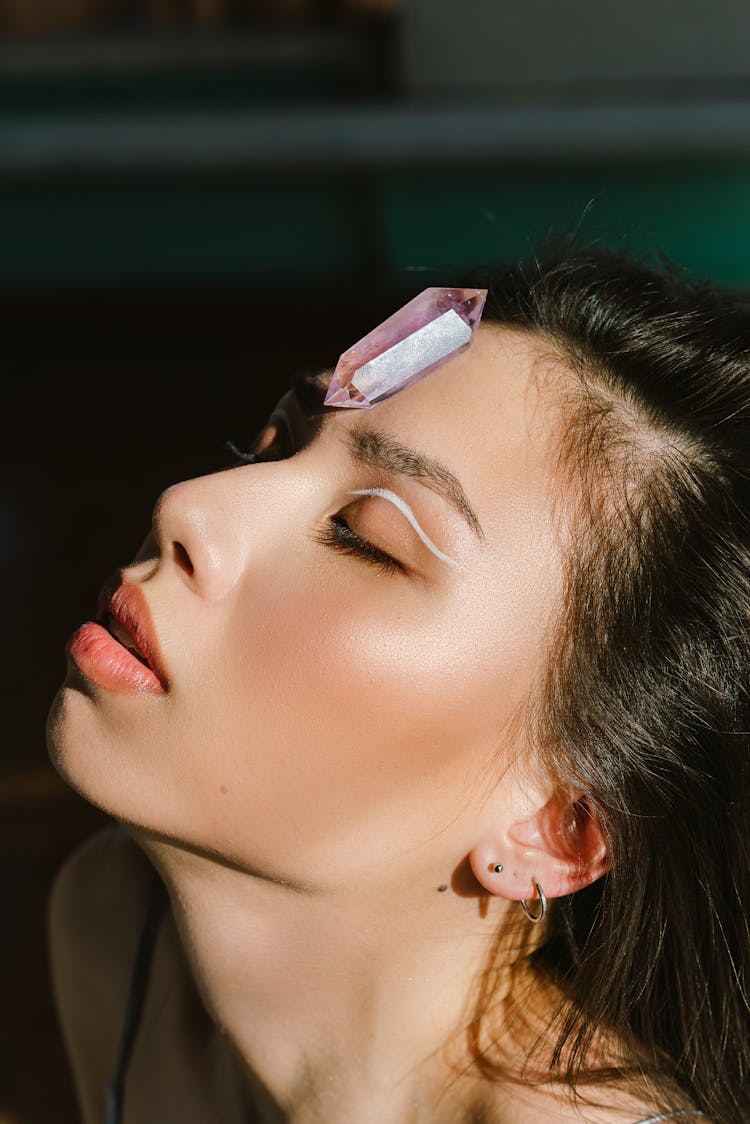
[201, 529]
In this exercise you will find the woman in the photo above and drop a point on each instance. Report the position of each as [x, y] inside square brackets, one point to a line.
[431, 798]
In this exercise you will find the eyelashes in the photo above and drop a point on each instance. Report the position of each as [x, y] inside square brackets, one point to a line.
[276, 440]
[402, 506]
[337, 534]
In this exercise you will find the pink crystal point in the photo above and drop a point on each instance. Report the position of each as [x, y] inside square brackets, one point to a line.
[428, 331]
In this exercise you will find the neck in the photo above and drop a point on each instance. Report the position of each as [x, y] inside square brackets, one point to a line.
[343, 1005]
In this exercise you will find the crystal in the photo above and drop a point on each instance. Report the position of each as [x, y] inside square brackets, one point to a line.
[428, 331]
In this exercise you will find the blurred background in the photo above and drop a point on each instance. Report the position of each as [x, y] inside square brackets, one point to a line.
[199, 198]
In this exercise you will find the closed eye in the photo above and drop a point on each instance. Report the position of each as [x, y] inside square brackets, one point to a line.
[337, 534]
[273, 443]
[295, 421]
[406, 511]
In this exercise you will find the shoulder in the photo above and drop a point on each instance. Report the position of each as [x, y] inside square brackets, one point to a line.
[97, 905]
[546, 1104]
[98, 901]
[80, 878]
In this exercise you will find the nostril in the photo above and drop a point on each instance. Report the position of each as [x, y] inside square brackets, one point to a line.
[182, 558]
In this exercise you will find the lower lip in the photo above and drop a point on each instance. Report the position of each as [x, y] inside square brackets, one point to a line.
[108, 664]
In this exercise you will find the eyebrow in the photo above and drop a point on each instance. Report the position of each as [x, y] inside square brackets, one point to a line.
[377, 449]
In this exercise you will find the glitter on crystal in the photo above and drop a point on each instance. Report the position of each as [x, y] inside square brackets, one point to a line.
[430, 330]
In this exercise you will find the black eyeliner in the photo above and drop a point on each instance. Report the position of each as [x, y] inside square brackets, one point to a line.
[338, 534]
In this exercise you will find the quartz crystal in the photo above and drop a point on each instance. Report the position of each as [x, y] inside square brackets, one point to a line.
[428, 331]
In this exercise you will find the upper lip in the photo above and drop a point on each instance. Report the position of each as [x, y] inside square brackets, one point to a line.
[126, 603]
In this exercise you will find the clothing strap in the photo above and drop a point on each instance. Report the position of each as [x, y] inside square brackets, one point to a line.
[115, 1088]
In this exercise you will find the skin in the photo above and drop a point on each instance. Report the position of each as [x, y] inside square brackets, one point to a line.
[337, 742]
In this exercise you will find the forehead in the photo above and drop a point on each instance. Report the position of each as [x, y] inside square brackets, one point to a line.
[489, 416]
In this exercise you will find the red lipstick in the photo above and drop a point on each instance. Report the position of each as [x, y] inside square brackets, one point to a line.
[120, 651]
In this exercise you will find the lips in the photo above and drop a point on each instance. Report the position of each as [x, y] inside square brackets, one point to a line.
[119, 650]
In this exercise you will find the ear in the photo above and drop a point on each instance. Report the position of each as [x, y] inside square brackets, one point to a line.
[561, 846]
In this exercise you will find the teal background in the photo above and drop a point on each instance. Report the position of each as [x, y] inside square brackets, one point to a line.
[376, 228]
[209, 223]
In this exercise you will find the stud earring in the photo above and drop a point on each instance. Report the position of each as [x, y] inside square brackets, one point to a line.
[498, 868]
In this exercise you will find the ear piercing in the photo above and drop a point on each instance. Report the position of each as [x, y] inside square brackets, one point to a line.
[536, 917]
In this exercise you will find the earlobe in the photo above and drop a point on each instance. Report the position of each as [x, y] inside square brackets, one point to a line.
[561, 848]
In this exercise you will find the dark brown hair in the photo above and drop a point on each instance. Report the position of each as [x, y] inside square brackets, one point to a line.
[645, 705]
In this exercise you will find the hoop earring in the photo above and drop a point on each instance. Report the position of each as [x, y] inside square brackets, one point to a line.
[536, 917]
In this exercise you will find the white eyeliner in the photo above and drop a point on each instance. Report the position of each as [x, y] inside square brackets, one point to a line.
[404, 508]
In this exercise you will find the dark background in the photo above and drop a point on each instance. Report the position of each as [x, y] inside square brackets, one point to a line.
[199, 199]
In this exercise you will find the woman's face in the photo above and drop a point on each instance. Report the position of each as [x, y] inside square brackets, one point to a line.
[347, 634]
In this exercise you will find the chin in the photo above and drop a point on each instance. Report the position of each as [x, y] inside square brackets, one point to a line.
[71, 748]
[59, 747]
[97, 766]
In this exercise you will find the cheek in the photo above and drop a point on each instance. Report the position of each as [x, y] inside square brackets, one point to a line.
[336, 711]
[331, 715]
[349, 740]
[349, 701]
